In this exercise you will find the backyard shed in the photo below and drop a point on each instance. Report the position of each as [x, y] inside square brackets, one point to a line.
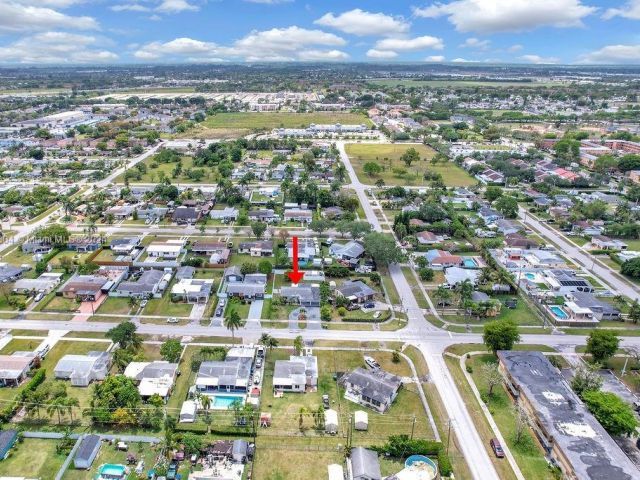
[188, 412]
[240, 451]
[7, 440]
[331, 421]
[336, 472]
[364, 465]
[87, 452]
[361, 420]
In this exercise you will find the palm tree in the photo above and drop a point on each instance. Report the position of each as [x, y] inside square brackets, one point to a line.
[70, 403]
[264, 339]
[57, 406]
[466, 289]
[441, 295]
[232, 322]
[301, 413]
[205, 403]
[298, 343]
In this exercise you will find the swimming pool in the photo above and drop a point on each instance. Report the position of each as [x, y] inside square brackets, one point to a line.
[421, 467]
[530, 276]
[470, 263]
[224, 402]
[559, 312]
[109, 471]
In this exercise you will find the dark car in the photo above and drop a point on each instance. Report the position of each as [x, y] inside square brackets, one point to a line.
[496, 447]
[369, 305]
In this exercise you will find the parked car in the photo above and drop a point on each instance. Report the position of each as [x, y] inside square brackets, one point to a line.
[260, 352]
[259, 362]
[496, 447]
[122, 446]
[172, 320]
[371, 363]
[325, 402]
[143, 303]
[256, 378]
[222, 302]
[38, 297]
[369, 305]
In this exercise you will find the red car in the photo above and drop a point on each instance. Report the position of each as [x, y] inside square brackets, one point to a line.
[496, 447]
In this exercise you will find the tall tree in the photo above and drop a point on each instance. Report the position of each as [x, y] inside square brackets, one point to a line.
[602, 345]
[232, 321]
[500, 335]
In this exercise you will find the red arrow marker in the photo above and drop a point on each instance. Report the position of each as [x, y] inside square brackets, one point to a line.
[296, 275]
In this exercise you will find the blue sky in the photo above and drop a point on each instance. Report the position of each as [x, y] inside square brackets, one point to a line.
[173, 31]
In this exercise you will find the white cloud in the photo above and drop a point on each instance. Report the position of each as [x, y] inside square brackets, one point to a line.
[490, 16]
[410, 44]
[322, 55]
[130, 7]
[176, 6]
[19, 17]
[56, 48]
[434, 58]
[373, 53]
[462, 60]
[278, 44]
[631, 10]
[539, 59]
[476, 43]
[613, 54]
[362, 23]
[515, 48]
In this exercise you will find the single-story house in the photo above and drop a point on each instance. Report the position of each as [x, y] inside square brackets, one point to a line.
[193, 290]
[87, 452]
[307, 249]
[186, 215]
[375, 389]
[297, 374]
[171, 249]
[356, 291]
[9, 273]
[154, 378]
[363, 464]
[456, 275]
[85, 287]
[84, 244]
[332, 213]
[428, 238]
[563, 281]
[507, 227]
[8, 439]
[248, 287]
[83, 369]
[264, 215]
[227, 214]
[489, 215]
[224, 376]
[601, 309]
[262, 248]
[298, 215]
[14, 369]
[302, 294]
[439, 259]
[349, 251]
[45, 283]
[517, 240]
[37, 246]
[150, 283]
[601, 242]
[124, 246]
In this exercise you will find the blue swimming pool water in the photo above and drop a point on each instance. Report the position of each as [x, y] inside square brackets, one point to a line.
[419, 458]
[558, 312]
[225, 401]
[112, 471]
[469, 263]
[530, 276]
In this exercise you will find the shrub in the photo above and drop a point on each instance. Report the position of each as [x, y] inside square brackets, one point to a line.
[342, 311]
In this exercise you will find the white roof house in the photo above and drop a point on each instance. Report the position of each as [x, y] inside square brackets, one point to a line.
[155, 378]
[45, 283]
[170, 249]
[296, 374]
[456, 275]
[193, 290]
[83, 369]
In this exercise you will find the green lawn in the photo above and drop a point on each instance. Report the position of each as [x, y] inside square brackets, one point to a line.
[521, 315]
[153, 174]
[388, 157]
[115, 305]
[19, 344]
[58, 303]
[33, 458]
[165, 307]
[271, 120]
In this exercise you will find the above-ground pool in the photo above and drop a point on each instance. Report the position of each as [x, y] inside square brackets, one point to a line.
[470, 263]
[110, 471]
[224, 401]
[559, 312]
[419, 467]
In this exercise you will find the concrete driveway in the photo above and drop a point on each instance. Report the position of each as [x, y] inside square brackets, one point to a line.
[255, 313]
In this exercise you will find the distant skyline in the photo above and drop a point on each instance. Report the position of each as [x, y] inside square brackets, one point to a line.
[67, 32]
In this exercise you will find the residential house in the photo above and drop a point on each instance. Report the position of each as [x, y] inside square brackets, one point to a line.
[86, 288]
[350, 251]
[153, 378]
[45, 283]
[84, 244]
[489, 215]
[169, 250]
[9, 273]
[601, 242]
[37, 246]
[457, 275]
[224, 376]
[586, 228]
[124, 246]
[264, 215]
[193, 290]
[537, 258]
[332, 213]
[507, 227]
[233, 274]
[601, 310]
[563, 281]
[356, 291]
[519, 241]
[440, 259]
[297, 374]
[8, 439]
[363, 464]
[307, 250]
[428, 238]
[298, 215]
[375, 389]
[186, 215]
[250, 286]
[14, 369]
[226, 215]
[302, 294]
[261, 248]
[83, 369]
[143, 285]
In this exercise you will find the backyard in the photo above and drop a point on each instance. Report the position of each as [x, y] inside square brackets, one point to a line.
[32, 458]
[388, 157]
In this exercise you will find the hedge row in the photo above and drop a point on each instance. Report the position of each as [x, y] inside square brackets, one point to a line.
[9, 411]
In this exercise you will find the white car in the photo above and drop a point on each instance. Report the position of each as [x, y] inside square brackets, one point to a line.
[143, 303]
[256, 378]
[172, 320]
[371, 363]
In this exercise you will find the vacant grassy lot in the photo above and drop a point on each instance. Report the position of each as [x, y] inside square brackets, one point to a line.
[273, 463]
[271, 120]
[19, 344]
[33, 458]
[115, 305]
[153, 175]
[395, 172]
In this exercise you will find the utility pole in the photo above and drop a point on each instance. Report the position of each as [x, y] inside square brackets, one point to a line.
[449, 436]
[413, 426]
